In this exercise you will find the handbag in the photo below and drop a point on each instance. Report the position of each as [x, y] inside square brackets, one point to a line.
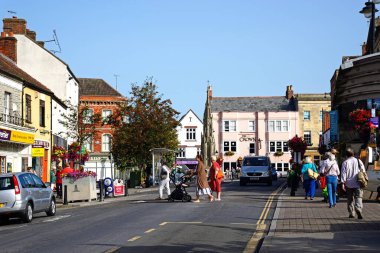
[362, 177]
[220, 174]
[312, 174]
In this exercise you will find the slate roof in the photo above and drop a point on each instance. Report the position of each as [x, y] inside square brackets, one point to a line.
[96, 87]
[8, 67]
[251, 104]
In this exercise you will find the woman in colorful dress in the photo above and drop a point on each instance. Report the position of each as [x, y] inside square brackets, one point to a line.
[215, 180]
[203, 187]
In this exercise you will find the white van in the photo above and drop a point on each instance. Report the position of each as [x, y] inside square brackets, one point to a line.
[256, 169]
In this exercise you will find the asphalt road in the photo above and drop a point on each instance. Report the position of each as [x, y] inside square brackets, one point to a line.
[142, 224]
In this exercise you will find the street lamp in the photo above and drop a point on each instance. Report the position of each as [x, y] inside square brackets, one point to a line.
[369, 12]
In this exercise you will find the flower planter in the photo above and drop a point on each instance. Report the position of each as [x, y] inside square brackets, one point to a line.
[81, 189]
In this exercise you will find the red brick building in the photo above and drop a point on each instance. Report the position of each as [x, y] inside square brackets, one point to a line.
[103, 99]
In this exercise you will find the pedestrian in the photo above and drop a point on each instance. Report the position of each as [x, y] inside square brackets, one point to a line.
[203, 187]
[31, 170]
[309, 184]
[164, 180]
[53, 179]
[331, 171]
[216, 178]
[350, 169]
[322, 177]
[67, 169]
[58, 175]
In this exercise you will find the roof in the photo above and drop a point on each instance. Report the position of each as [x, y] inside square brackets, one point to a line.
[251, 104]
[9, 67]
[190, 111]
[313, 97]
[96, 87]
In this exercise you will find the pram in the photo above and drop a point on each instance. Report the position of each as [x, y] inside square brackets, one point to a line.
[180, 179]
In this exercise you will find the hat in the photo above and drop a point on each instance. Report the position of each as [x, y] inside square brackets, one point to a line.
[350, 151]
[334, 151]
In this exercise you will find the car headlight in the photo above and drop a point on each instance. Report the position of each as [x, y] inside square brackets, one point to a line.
[243, 174]
[265, 174]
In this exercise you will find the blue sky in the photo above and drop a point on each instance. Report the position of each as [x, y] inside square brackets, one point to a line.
[243, 47]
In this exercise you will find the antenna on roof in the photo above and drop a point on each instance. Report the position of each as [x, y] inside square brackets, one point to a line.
[12, 12]
[116, 76]
[56, 41]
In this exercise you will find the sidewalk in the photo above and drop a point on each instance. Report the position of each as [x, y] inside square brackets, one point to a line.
[301, 225]
[133, 194]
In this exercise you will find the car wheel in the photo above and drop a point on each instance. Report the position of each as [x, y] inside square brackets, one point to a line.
[27, 216]
[52, 208]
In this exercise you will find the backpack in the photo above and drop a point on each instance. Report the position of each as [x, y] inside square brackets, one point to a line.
[362, 177]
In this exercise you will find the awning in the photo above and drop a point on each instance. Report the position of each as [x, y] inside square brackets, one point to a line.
[16, 136]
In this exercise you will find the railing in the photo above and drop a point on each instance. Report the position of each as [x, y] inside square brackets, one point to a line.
[6, 118]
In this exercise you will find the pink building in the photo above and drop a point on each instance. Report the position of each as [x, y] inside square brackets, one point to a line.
[244, 126]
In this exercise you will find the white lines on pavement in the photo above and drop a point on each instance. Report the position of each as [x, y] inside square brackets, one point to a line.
[139, 201]
[246, 224]
[149, 230]
[134, 238]
[163, 223]
[57, 218]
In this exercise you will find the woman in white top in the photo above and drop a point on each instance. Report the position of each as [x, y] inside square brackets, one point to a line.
[331, 171]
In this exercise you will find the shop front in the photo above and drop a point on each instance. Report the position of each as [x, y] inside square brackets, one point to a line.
[40, 159]
[15, 152]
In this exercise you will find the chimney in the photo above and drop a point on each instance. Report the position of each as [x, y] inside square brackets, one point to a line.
[8, 47]
[364, 48]
[289, 92]
[31, 34]
[40, 43]
[15, 25]
[209, 92]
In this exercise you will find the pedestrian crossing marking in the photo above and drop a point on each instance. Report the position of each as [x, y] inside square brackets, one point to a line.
[149, 230]
[134, 238]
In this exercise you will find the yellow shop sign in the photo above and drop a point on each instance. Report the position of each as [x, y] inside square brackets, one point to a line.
[22, 137]
[38, 152]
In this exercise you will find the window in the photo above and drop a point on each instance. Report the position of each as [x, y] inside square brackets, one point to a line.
[24, 164]
[279, 167]
[307, 137]
[87, 116]
[42, 113]
[7, 105]
[106, 114]
[229, 146]
[181, 152]
[278, 146]
[278, 126]
[286, 166]
[229, 126]
[199, 151]
[106, 143]
[38, 182]
[251, 126]
[190, 133]
[306, 115]
[28, 103]
[88, 144]
[252, 149]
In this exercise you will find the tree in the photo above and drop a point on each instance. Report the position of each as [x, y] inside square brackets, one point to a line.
[81, 125]
[148, 121]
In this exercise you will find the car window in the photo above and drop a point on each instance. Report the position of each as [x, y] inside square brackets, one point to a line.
[38, 181]
[6, 183]
[255, 161]
[27, 181]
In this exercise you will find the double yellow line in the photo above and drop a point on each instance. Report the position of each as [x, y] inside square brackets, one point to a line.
[265, 212]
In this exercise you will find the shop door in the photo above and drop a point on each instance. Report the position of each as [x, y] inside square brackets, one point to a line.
[2, 165]
[44, 175]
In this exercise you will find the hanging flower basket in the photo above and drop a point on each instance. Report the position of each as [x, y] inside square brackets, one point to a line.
[361, 120]
[278, 153]
[297, 144]
[74, 153]
[59, 153]
[229, 153]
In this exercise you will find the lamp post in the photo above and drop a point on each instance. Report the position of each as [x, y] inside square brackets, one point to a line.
[369, 12]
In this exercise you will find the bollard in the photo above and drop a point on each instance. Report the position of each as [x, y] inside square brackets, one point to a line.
[125, 188]
[101, 190]
[65, 202]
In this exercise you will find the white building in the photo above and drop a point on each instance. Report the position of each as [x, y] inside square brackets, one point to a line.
[189, 136]
[47, 68]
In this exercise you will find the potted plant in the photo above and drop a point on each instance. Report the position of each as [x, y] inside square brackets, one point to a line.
[229, 153]
[361, 120]
[81, 185]
[278, 153]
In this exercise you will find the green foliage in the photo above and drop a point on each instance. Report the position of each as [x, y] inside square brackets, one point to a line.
[146, 121]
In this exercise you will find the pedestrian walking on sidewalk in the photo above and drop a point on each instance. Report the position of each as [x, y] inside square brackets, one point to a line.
[58, 175]
[330, 169]
[350, 169]
[309, 184]
[216, 178]
[164, 180]
[203, 187]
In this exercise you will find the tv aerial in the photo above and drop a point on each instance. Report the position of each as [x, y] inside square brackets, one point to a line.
[56, 41]
[12, 12]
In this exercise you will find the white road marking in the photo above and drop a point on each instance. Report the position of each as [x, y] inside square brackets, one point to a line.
[134, 238]
[150, 230]
[57, 218]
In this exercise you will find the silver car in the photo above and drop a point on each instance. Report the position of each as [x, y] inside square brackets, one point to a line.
[22, 194]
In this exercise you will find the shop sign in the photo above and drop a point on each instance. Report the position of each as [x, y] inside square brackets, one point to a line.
[5, 135]
[38, 152]
[38, 143]
[22, 137]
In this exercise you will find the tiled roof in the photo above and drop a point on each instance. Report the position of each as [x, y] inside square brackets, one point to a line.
[96, 87]
[9, 67]
[251, 104]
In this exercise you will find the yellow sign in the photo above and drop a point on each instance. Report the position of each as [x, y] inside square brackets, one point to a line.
[22, 137]
[38, 152]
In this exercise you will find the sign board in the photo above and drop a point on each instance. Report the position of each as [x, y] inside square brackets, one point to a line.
[334, 134]
[38, 152]
[118, 188]
[22, 137]
[374, 122]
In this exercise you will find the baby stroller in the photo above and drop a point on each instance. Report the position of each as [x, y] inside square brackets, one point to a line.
[180, 178]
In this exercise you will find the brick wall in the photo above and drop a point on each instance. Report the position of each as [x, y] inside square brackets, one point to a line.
[8, 47]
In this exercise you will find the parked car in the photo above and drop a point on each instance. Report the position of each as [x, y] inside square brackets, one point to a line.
[256, 169]
[22, 194]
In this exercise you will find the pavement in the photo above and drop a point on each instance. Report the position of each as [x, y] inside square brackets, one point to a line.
[301, 225]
